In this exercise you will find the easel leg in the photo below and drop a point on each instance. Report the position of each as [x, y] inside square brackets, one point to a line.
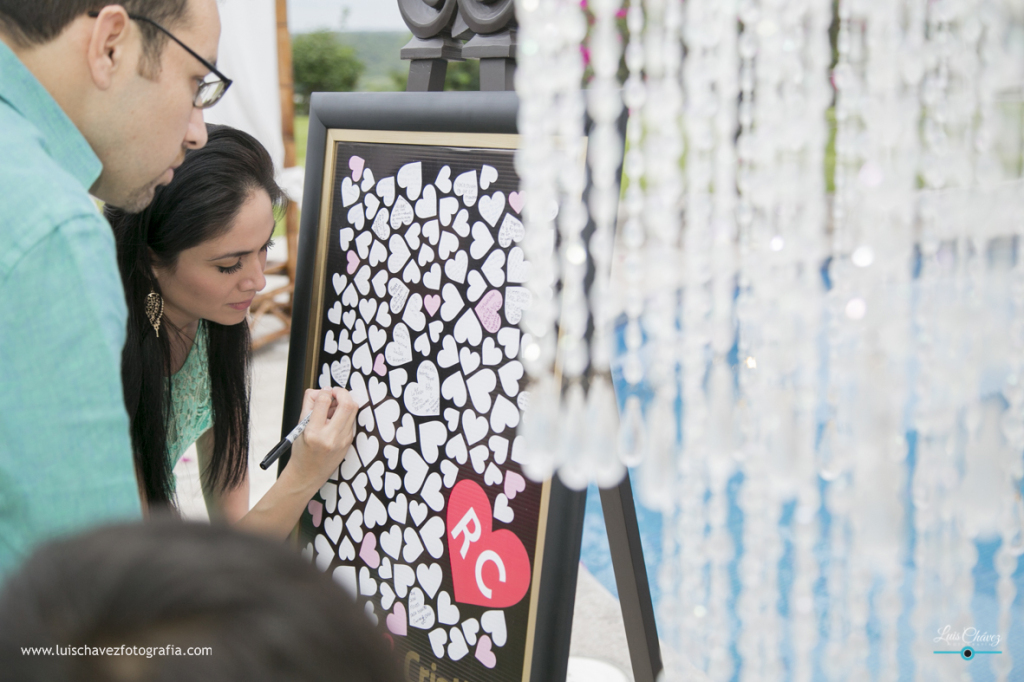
[631, 580]
[426, 75]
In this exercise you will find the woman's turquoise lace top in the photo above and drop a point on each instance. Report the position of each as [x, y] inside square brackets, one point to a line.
[192, 407]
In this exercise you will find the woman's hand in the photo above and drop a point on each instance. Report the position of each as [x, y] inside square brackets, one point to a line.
[318, 452]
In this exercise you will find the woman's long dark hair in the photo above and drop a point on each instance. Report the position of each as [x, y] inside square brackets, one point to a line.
[200, 204]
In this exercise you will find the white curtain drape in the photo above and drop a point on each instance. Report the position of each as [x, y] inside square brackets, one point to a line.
[248, 55]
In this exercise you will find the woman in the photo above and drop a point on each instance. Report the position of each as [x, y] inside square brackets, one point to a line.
[191, 264]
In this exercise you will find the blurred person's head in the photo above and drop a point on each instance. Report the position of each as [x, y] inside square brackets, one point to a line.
[265, 613]
[125, 84]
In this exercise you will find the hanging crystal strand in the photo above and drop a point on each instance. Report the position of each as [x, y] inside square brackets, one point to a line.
[700, 618]
[760, 369]
[598, 462]
[932, 417]
[882, 260]
[1012, 529]
[935, 413]
[550, 125]
[631, 442]
[662, 147]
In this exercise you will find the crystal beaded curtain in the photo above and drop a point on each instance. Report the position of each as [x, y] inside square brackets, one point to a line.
[813, 312]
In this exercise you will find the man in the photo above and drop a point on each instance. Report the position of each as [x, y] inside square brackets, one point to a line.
[94, 98]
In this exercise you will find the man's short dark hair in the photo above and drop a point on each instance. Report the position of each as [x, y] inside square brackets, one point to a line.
[35, 22]
[265, 613]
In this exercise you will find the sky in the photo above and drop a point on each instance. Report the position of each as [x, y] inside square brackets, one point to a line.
[362, 15]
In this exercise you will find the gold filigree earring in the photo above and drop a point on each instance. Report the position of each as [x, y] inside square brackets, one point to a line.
[155, 310]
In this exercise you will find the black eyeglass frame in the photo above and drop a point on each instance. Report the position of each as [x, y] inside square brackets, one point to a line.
[213, 69]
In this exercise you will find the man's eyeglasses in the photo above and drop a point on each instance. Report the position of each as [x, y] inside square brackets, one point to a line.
[210, 91]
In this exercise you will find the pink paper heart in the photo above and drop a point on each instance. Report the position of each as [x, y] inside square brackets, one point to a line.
[514, 484]
[432, 303]
[317, 510]
[398, 621]
[517, 200]
[356, 163]
[378, 365]
[483, 651]
[368, 551]
[487, 310]
[353, 262]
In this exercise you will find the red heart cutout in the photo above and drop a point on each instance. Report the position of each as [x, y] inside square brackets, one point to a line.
[489, 569]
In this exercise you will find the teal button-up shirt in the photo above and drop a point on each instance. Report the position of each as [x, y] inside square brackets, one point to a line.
[65, 451]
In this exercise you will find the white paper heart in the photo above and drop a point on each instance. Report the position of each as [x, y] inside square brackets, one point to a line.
[456, 267]
[452, 302]
[378, 254]
[399, 509]
[504, 414]
[431, 492]
[371, 203]
[399, 351]
[468, 330]
[454, 388]
[423, 398]
[493, 476]
[474, 427]
[429, 576]
[368, 181]
[426, 207]
[511, 230]
[380, 225]
[387, 414]
[519, 269]
[410, 178]
[491, 207]
[447, 612]
[458, 647]
[413, 546]
[493, 623]
[405, 577]
[415, 471]
[386, 190]
[479, 456]
[431, 231]
[490, 352]
[456, 448]
[477, 286]
[444, 179]
[418, 511]
[493, 267]
[421, 614]
[461, 224]
[349, 192]
[432, 533]
[433, 435]
[401, 214]
[432, 279]
[363, 242]
[509, 340]
[465, 186]
[449, 473]
[447, 207]
[391, 541]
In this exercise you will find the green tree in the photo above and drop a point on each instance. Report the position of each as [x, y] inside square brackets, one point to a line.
[322, 64]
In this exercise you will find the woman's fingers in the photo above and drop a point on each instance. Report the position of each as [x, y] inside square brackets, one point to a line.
[343, 421]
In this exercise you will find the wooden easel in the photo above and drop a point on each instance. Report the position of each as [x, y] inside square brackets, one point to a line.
[267, 303]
